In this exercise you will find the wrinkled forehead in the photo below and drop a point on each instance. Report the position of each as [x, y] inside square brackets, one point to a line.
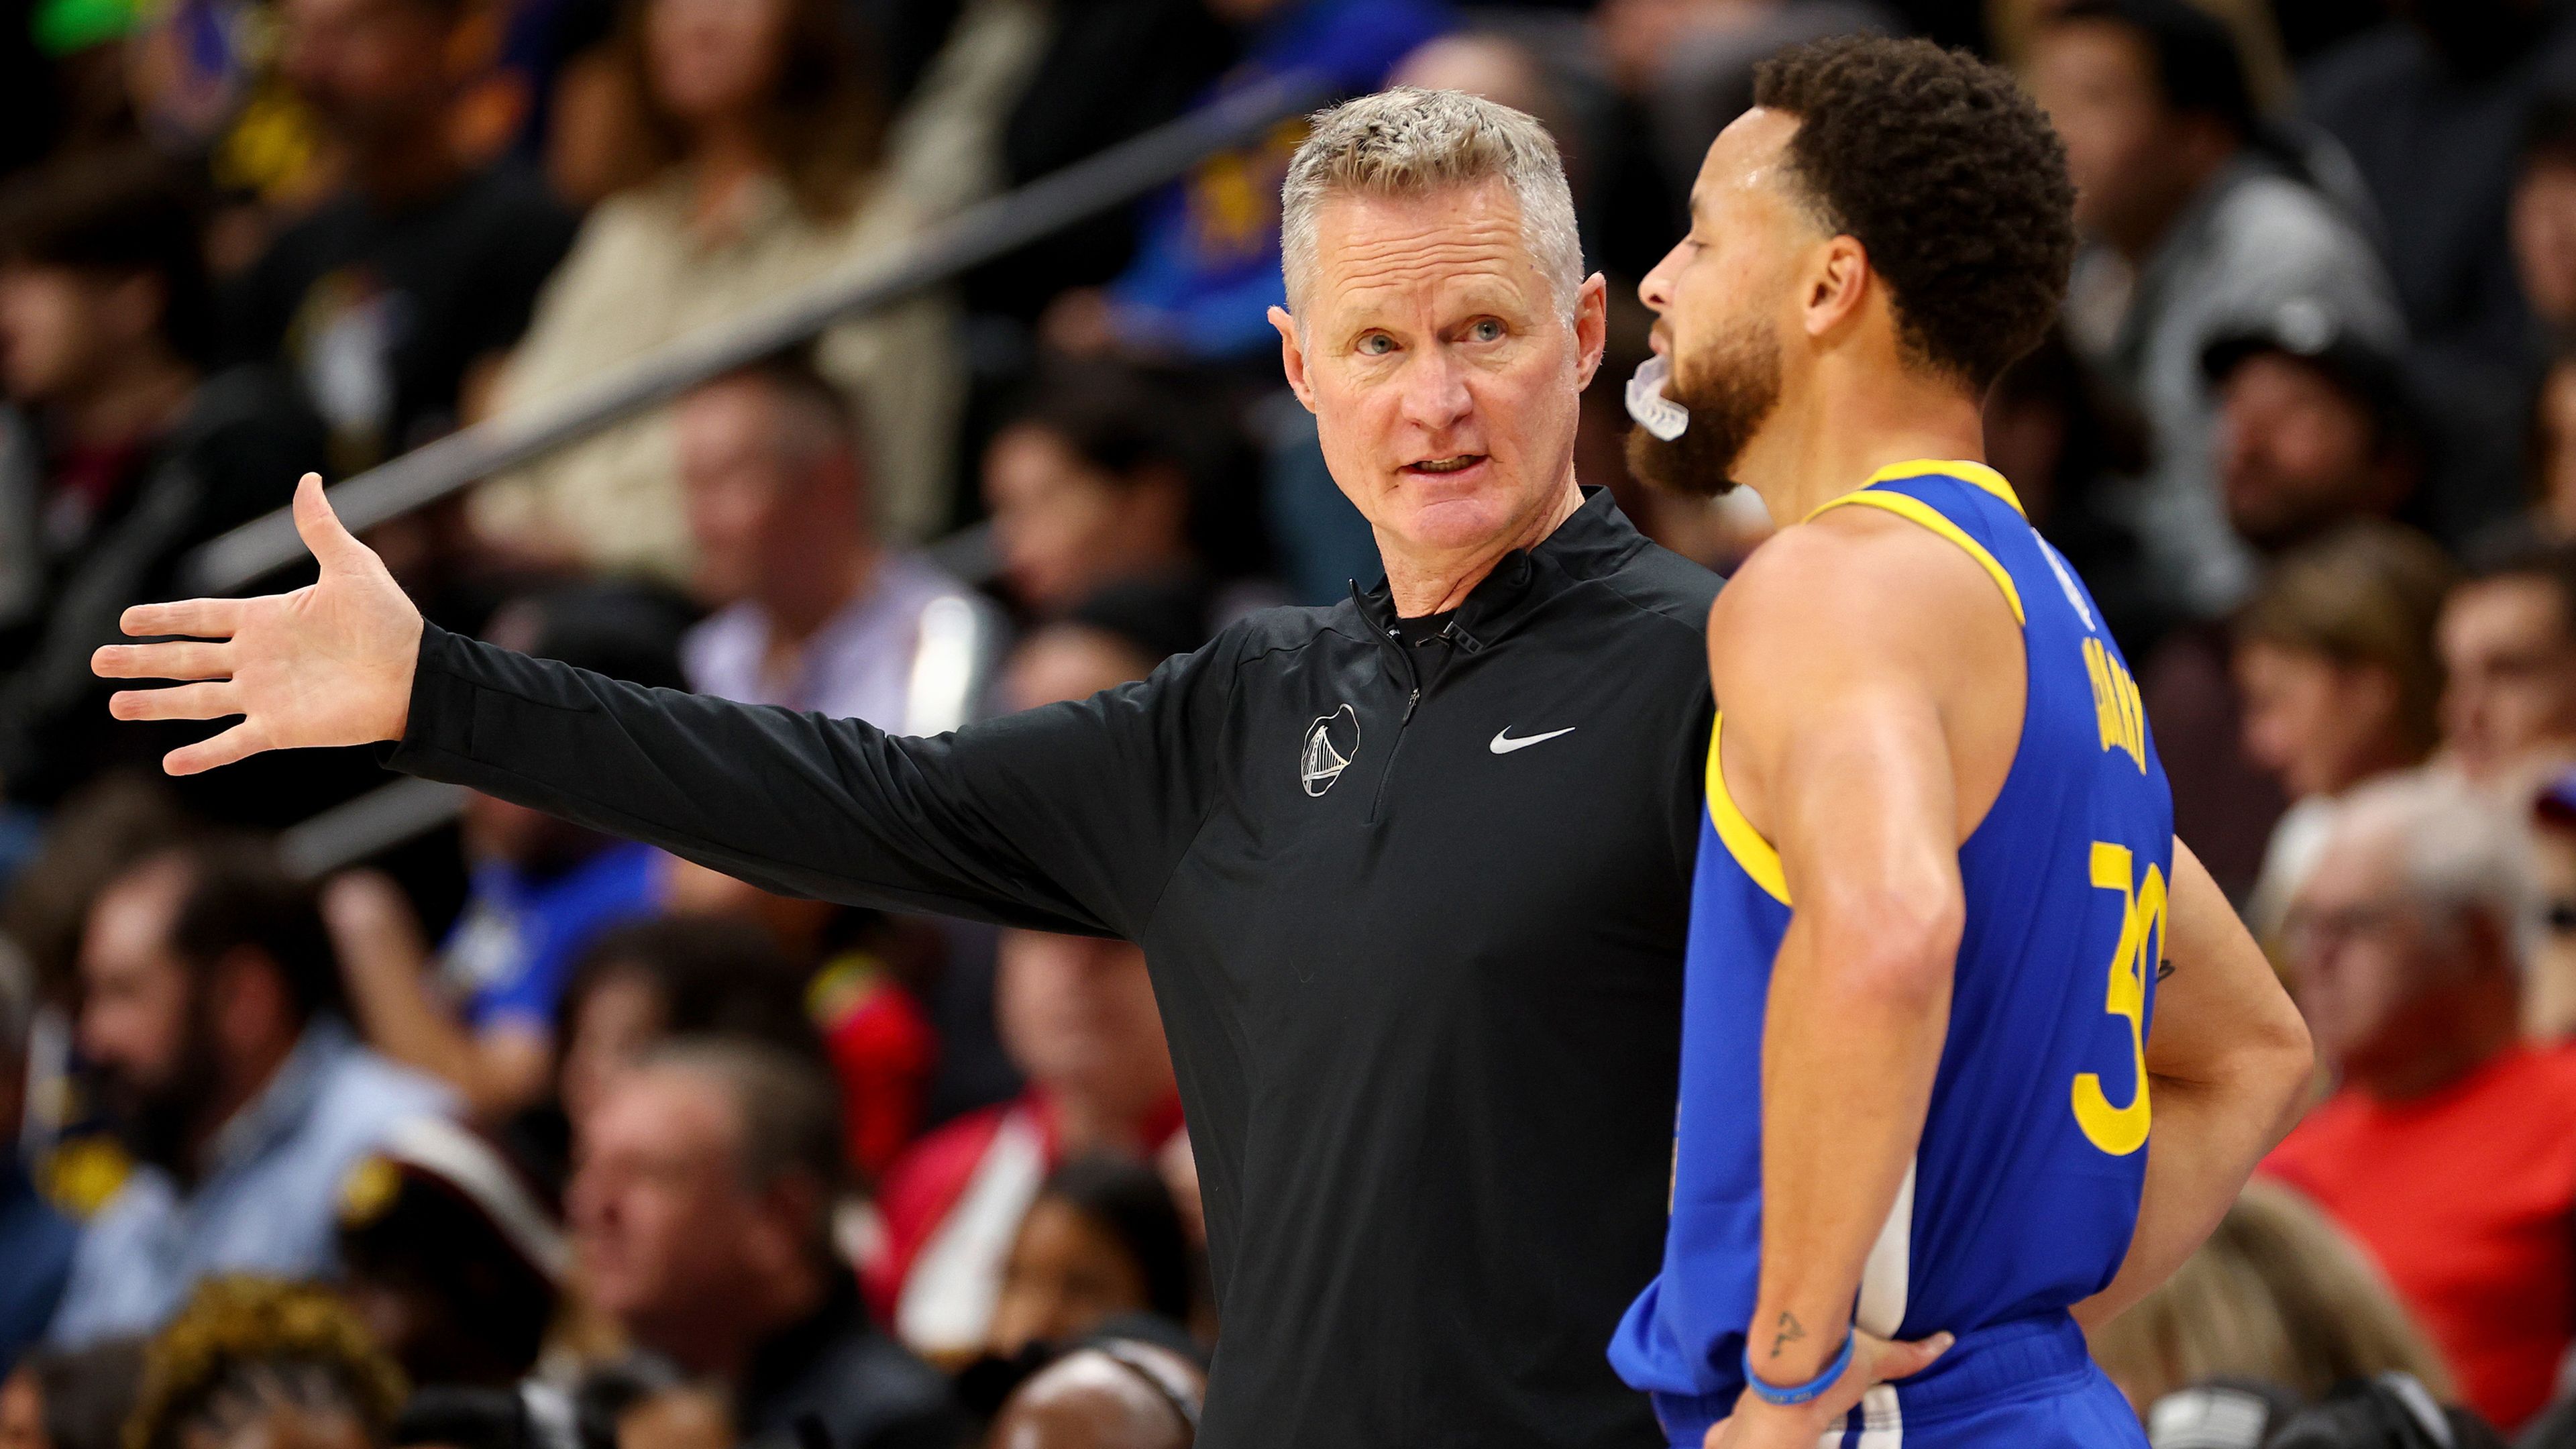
[1455, 247]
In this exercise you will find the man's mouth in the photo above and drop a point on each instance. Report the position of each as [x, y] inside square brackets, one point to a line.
[1455, 463]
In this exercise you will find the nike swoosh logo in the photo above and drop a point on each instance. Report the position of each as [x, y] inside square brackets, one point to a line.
[1504, 744]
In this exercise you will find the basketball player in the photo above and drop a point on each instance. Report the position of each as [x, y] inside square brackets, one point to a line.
[1941, 930]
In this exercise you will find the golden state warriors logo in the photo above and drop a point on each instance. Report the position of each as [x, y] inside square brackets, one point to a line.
[1332, 742]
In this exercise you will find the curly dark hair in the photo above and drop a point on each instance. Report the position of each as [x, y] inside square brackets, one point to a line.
[245, 1344]
[1948, 174]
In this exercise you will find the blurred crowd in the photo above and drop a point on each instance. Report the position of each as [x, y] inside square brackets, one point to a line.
[506, 1135]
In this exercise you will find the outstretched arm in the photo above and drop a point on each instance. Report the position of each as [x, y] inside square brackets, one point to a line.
[2228, 1066]
[1065, 818]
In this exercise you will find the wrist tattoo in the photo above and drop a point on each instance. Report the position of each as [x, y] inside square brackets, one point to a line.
[1785, 1332]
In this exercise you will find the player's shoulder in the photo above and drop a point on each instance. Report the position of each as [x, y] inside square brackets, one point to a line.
[1870, 560]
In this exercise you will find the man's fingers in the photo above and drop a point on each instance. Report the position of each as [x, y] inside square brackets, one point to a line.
[238, 743]
[186, 701]
[195, 618]
[333, 546]
[1904, 1360]
[162, 661]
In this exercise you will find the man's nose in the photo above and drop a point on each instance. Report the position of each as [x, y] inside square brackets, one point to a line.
[1435, 392]
[1656, 291]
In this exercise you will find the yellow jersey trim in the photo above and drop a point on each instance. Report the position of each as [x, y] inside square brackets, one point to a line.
[1905, 505]
[1742, 841]
[1966, 472]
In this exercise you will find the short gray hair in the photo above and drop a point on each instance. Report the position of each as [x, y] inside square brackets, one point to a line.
[2457, 852]
[1410, 142]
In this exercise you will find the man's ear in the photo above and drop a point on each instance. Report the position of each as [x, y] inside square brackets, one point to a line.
[1837, 286]
[1591, 328]
[1292, 356]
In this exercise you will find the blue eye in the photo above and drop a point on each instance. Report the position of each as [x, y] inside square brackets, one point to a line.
[1487, 330]
[1376, 344]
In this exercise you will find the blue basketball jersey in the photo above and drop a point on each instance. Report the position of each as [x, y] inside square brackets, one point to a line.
[2023, 1193]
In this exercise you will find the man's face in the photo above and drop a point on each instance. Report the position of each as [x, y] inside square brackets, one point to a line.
[2316, 723]
[2544, 241]
[1723, 300]
[2296, 453]
[54, 337]
[2097, 81]
[2510, 672]
[1444, 379]
[373, 69]
[2359, 957]
[1065, 527]
[22, 1412]
[712, 58]
[739, 487]
[141, 1023]
[658, 1210]
[1078, 1014]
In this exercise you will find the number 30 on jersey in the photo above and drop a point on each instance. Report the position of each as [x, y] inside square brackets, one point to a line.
[2121, 1130]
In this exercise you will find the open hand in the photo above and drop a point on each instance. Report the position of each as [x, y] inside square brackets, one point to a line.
[1756, 1424]
[329, 664]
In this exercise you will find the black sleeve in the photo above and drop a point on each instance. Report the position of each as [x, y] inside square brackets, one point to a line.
[1067, 818]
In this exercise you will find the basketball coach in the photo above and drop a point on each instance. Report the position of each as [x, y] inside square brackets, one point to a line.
[1412, 871]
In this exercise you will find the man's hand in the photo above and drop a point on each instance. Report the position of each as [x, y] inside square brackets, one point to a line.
[329, 664]
[1759, 1425]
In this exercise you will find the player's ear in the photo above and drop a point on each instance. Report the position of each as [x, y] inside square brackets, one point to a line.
[1836, 285]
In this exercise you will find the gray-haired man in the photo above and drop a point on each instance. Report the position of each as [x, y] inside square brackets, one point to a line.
[1411, 872]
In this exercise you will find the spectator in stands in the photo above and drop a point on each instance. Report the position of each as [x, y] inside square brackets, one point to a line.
[2544, 219]
[1116, 1394]
[2508, 642]
[2314, 432]
[119, 448]
[702, 1214]
[2316, 427]
[2404, 949]
[397, 296]
[209, 1004]
[2152, 101]
[1101, 1240]
[450, 1259]
[2334, 660]
[2549, 982]
[2272, 1312]
[253, 1363]
[78, 1399]
[35, 1240]
[1093, 485]
[2553, 451]
[771, 141]
[812, 612]
[1077, 1016]
[649, 981]
[481, 1017]
[688, 976]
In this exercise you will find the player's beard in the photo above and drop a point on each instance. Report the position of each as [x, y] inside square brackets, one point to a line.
[1730, 390]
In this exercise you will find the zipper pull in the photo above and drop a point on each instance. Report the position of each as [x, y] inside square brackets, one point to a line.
[1410, 701]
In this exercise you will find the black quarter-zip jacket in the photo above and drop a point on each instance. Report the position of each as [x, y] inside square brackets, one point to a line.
[1417, 946]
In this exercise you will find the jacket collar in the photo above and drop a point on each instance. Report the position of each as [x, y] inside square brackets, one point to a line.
[1592, 542]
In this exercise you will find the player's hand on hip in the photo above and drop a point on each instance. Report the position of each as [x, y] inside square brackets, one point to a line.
[1756, 1424]
[329, 664]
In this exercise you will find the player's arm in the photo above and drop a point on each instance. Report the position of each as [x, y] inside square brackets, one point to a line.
[2228, 1067]
[1826, 653]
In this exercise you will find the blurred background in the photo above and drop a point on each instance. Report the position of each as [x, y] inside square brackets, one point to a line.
[398, 1115]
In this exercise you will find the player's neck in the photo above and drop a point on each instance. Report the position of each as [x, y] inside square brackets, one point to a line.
[1828, 438]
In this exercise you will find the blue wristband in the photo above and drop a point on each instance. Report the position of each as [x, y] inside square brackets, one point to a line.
[1799, 1393]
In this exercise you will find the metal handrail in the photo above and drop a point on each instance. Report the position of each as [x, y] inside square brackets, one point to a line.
[974, 236]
